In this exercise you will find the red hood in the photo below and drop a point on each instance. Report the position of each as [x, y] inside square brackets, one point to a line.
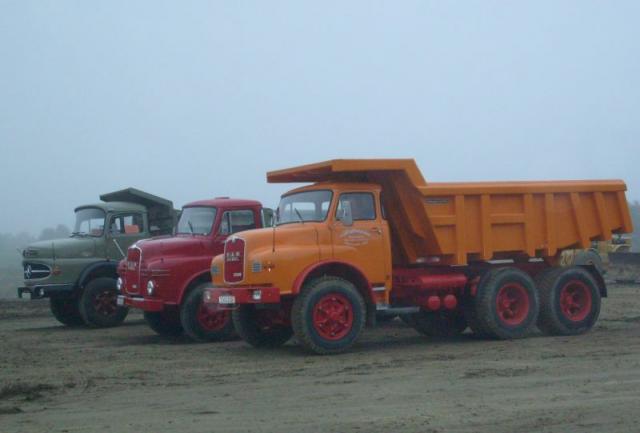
[180, 245]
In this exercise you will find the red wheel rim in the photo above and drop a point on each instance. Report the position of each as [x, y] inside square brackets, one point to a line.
[575, 301]
[210, 319]
[105, 303]
[333, 316]
[512, 304]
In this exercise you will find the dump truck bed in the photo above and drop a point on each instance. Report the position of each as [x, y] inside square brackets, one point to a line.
[162, 215]
[454, 223]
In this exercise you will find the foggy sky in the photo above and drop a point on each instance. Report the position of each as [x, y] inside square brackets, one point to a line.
[190, 100]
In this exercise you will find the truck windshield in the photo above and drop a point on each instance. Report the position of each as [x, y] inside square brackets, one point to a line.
[89, 222]
[304, 206]
[196, 220]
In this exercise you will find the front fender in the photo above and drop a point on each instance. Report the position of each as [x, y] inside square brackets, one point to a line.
[338, 268]
[106, 266]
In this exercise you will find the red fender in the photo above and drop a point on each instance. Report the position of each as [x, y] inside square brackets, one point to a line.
[190, 280]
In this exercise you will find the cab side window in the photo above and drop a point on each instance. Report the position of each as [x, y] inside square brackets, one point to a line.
[362, 205]
[126, 224]
[236, 221]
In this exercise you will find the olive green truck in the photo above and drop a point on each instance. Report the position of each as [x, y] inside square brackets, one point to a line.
[79, 274]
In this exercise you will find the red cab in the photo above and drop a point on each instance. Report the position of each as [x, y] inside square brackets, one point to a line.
[166, 276]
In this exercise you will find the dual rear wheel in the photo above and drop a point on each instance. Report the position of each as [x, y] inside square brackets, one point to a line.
[509, 303]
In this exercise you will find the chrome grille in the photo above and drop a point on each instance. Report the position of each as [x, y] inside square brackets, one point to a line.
[35, 271]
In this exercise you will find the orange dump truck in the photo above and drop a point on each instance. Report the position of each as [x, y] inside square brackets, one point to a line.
[372, 237]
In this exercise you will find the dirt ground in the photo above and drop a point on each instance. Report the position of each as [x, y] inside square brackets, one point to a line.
[127, 379]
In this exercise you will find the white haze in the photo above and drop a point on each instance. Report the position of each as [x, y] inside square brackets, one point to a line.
[190, 99]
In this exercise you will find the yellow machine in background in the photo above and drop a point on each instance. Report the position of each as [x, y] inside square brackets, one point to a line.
[613, 257]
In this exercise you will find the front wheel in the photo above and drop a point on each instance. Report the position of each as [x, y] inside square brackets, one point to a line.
[165, 323]
[65, 310]
[98, 304]
[328, 315]
[201, 322]
[262, 328]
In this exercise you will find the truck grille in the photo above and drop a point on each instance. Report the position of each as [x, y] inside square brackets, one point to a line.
[132, 273]
[34, 271]
[234, 260]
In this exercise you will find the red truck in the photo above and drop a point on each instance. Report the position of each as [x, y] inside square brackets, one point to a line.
[166, 276]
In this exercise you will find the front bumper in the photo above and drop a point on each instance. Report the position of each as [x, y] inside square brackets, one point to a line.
[46, 290]
[145, 304]
[228, 298]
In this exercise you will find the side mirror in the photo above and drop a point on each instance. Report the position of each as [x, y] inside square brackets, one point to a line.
[346, 216]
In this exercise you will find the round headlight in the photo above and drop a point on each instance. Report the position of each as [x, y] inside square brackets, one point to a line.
[119, 284]
[151, 287]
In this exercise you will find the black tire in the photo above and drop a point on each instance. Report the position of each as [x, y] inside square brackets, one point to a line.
[98, 307]
[494, 322]
[201, 325]
[165, 323]
[470, 315]
[302, 315]
[444, 323]
[556, 320]
[254, 327]
[590, 258]
[65, 310]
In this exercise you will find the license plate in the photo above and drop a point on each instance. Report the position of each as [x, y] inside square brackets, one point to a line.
[120, 301]
[227, 299]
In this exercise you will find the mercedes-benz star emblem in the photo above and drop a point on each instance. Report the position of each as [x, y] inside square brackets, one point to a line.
[27, 272]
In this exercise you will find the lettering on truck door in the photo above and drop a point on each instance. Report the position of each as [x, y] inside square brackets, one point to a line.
[360, 238]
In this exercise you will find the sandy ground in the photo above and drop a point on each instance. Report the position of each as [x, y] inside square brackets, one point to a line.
[127, 379]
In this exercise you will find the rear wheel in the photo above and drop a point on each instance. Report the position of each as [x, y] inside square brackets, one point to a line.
[202, 322]
[505, 306]
[328, 315]
[262, 328]
[439, 323]
[98, 304]
[65, 310]
[165, 323]
[569, 301]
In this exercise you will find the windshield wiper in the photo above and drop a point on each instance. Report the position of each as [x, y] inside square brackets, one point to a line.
[81, 234]
[299, 216]
[190, 227]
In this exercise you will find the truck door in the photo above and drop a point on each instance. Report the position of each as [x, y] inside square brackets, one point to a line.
[360, 236]
[124, 230]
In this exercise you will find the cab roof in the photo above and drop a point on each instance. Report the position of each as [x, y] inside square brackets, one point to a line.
[224, 202]
[353, 186]
[115, 206]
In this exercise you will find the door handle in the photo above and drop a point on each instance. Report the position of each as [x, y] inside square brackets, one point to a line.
[376, 230]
